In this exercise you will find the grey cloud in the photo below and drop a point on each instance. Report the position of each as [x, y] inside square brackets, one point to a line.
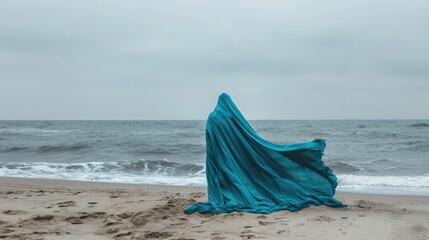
[170, 59]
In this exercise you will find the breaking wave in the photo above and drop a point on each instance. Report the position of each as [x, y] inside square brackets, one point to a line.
[140, 171]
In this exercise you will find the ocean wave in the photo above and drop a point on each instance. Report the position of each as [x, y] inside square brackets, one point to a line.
[356, 133]
[28, 130]
[409, 145]
[414, 146]
[359, 182]
[140, 171]
[51, 149]
[383, 160]
[45, 149]
[344, 167]
[419, 125]
[13, 149]
[172, 149]
[375, 134]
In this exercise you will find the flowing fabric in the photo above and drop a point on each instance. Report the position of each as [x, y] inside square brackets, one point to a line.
[246, 173]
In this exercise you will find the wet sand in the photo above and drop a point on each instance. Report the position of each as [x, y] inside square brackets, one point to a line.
[60, 209]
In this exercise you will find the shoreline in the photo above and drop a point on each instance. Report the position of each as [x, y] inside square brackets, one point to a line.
[393, 192]
[32, 208]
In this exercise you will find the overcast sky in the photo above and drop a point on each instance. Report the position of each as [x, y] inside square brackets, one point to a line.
[82, 59]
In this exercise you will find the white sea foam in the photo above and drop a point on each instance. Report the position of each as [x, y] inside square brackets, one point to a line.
[141, 171]
[360, 182]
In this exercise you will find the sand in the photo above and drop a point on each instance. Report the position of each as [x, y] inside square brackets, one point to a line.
[60, 209]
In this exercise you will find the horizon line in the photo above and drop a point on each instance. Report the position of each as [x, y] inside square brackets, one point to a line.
[261, 119]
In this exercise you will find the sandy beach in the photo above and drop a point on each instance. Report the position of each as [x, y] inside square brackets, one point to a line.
[61, 209]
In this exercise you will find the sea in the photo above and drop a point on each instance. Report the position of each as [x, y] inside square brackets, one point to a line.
[364, 154]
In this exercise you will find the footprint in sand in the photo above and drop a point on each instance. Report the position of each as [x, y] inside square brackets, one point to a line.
[261, 217]
[265, 223]
[123, 234]
[232, 215]
[73, 220]
[247, 236]
[158, 235]
[43, 218]
[321, 219]
[112, 230]
[6, 231]
[110, 223]
[66, 204]
[218, 238]
[125, 215]
[14, 212]
[84, 215]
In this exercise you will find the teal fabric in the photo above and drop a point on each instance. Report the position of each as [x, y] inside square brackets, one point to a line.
[246, 173]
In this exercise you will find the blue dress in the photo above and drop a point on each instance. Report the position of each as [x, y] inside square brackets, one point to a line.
[246, 173]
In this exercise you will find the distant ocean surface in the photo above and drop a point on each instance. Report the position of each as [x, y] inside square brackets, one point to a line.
[364, 154]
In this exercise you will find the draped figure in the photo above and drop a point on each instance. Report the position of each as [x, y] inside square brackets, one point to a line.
[246, 173]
